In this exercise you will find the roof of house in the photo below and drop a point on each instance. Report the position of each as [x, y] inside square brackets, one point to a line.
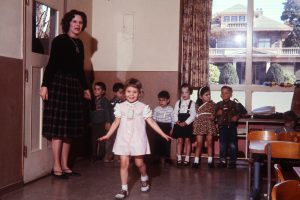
[261, 23]
[238, 8]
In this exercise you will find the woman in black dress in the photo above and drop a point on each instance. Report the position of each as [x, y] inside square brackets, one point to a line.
[63, 88]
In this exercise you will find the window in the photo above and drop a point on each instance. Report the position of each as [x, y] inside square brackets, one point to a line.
[242, 18]
[44, 30]
[226, 19]
[234, 18]
[264, 43]
[259, 67]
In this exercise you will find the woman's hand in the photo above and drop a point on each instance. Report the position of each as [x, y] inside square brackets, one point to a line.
[44, 93]
[168, 138]
[105, 137]
[87, 95]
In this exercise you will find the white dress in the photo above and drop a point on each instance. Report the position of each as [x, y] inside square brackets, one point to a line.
[131, 135]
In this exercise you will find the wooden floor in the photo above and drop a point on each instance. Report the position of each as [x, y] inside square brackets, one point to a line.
[101, 181]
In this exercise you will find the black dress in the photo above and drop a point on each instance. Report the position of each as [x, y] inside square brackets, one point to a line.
[64, 77]
[186, 131]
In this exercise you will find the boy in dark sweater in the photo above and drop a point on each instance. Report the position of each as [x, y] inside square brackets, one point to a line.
[227, 114]
[100, 119]
[118, 89]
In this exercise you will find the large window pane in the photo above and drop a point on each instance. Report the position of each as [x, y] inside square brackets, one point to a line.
[228, 42]
[275, 44]
[281, 100]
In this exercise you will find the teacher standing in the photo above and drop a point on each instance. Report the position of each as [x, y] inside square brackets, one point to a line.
[63, 88]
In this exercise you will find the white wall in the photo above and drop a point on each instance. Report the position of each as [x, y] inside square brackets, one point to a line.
[11, 28]
[136, 35]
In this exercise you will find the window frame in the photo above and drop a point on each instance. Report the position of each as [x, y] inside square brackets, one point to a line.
[248, 87]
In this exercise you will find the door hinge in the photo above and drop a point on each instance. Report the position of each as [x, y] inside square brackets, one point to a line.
[27, 2]
[25, 151]
[26, 75]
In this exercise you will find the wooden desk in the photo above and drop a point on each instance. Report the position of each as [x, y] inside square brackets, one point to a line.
[259, 146]
[251, 121]
[297, 170]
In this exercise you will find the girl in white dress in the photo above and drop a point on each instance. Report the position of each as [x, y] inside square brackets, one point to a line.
[131, 139]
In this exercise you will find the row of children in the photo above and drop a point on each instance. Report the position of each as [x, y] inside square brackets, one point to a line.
[183, 123]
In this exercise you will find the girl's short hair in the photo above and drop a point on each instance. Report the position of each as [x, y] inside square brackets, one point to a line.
[133, 82]
[67, 18]
[185, 85]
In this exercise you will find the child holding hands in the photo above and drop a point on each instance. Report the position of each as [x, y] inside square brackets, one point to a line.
[131, 139]
[184, 115]
[204, 125]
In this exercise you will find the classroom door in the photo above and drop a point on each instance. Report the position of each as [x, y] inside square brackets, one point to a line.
[42, 19]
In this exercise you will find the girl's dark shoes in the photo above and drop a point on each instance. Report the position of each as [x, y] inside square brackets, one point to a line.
[179, 163]
[211, 165]
[186, 163]
[122, 194]
[59, 174]
[195, 165]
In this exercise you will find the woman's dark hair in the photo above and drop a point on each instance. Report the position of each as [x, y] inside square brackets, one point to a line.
[201, 92]
[117, 87]
[185, 85]
[163, 94]
[65, 22]
[132, 82]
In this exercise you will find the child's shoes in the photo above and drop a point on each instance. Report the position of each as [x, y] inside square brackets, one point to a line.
[195, 165]
[122, 194]
[186, 163]
[179, 163]
[145, 186]
[211, 165]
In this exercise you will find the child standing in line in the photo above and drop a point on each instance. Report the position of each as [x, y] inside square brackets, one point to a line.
[163, 115]
[204, 125]
[118, 90]
[227, 113]
[184, 115]
[131, 139]
[99, 118]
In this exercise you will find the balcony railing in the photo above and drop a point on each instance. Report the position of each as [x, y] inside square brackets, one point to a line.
[273, 52]
[234, 25]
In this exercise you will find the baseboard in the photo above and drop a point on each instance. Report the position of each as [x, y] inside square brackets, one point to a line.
[11, 187]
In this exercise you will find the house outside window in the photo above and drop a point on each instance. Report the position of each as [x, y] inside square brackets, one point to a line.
[242, 18]
[226, 18]
[264, 43]
[247, 63]
[234, 18]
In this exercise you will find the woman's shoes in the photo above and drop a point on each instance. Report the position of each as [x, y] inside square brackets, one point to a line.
[59, 174]
[69, 172]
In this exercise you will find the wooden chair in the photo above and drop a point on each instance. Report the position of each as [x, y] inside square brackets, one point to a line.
[287, 190]
[290, 136]
[279, 173]
[257, 136]
[280, 149]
